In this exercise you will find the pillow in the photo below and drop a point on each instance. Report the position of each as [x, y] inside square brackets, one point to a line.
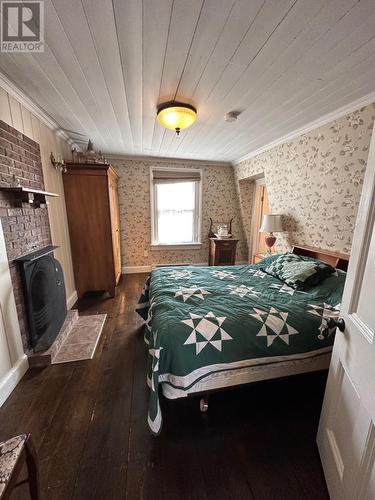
[299, 272]
[267, 259]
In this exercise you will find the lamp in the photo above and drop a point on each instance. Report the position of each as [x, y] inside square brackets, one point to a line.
[272, 223]
[176, 115]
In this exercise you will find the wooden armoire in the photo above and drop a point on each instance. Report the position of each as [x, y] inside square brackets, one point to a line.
[91, 197]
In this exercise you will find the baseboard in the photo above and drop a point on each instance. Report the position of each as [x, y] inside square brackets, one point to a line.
[9, 381]
[136, 269]
[72, 300]
[148, 269]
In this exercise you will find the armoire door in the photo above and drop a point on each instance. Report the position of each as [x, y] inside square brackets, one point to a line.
[115, 224]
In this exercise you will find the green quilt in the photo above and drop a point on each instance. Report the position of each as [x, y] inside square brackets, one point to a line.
[201, 320]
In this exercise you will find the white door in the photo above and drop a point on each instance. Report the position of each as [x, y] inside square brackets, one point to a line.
[346, 436]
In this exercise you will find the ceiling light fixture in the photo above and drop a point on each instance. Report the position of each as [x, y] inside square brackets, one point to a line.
[176, 115]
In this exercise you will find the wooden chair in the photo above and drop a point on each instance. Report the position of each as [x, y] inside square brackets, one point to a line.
[14, 453]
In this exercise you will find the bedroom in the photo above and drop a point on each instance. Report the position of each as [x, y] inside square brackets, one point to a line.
[192, 167]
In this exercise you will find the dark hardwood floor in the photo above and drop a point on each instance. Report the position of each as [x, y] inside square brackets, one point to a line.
[88, 422]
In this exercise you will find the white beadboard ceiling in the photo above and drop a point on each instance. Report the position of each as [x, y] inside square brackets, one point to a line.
[282, 63]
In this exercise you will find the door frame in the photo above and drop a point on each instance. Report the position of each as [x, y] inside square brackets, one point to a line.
[257, 216]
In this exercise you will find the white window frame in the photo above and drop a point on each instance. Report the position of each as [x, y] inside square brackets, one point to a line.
[198, 213]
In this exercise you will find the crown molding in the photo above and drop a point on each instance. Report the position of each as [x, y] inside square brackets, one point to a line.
[166, 159]
[12, 89]
[329, 117]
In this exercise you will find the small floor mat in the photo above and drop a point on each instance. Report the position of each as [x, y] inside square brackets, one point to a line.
[82, 340]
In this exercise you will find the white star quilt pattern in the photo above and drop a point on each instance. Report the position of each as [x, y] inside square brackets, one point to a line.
[194, 291]
[206, 330]
[274, 325]
[242, 290]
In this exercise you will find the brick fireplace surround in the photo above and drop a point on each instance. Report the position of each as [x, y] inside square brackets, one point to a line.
[25, 228]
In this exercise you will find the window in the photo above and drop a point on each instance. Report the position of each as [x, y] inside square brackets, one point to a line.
[175, 206]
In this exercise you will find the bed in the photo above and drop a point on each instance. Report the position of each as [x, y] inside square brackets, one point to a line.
[209, 328]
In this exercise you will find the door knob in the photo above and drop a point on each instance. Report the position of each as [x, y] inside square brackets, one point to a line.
[336, 323]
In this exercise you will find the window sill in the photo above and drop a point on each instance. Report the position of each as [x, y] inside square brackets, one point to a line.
[182, 246]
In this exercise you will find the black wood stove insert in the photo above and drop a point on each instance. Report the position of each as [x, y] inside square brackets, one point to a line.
[45, 297]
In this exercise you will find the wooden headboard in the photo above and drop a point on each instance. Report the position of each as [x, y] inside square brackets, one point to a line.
[334, 259]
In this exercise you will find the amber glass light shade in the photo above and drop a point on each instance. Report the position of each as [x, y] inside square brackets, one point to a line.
[176, 115]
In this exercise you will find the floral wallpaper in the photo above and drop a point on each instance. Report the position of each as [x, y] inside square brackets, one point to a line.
[219, 201]
[315, 181]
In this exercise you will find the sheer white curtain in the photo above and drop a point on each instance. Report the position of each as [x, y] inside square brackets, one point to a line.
[175, 212]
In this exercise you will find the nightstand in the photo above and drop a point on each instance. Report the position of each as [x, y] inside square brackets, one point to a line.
[257, 257]
[222, 252]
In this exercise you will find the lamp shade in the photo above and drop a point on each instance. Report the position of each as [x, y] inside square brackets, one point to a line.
[272, 223]
[176, 115]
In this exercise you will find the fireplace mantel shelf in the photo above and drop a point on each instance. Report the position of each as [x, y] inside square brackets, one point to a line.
[37, 254]
[22, 194]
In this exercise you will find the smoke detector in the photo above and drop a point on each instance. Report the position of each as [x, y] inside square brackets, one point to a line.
[231, 116]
